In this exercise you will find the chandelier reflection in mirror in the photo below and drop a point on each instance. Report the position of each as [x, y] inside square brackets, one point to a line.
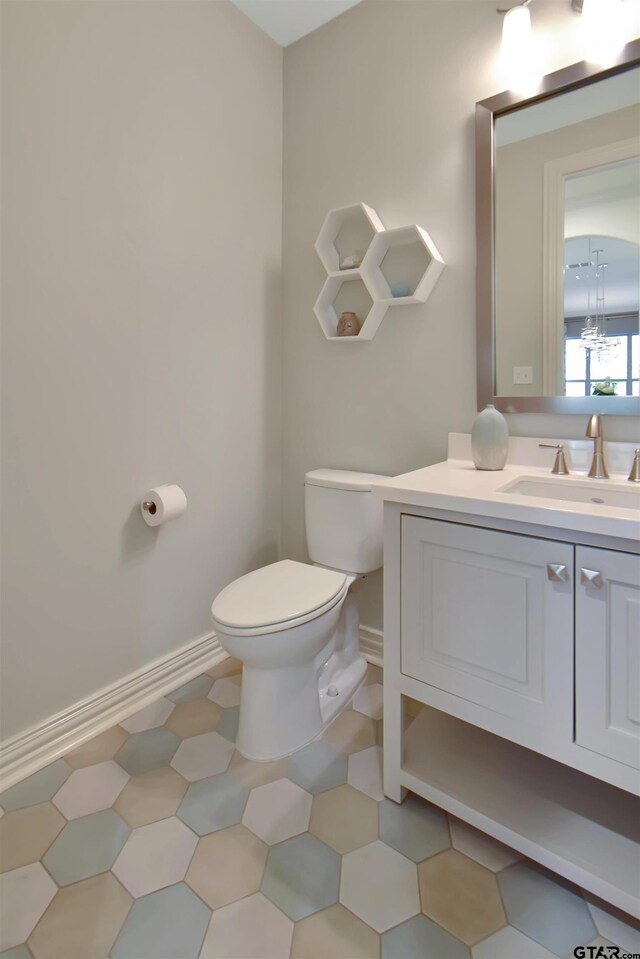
[601, 291]
[593, 272]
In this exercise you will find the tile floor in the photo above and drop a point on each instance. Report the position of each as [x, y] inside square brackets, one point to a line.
[157, 839]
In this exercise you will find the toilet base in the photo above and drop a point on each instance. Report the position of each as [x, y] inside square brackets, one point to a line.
[283, 709]
[256, 743]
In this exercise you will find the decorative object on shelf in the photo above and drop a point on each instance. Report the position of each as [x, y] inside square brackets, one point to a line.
[399, 267]
[489, 439]
[350, 261]
[348, 324]
[604, 388]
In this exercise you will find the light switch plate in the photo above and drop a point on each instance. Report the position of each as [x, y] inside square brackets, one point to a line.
[523, 375]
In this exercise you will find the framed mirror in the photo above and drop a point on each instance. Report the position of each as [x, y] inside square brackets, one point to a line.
[558, 243]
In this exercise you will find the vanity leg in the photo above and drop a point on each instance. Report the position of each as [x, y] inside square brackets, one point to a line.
[393, 722]
[393, 742]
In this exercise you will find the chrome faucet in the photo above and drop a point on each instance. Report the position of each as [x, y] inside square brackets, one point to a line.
[595, 432]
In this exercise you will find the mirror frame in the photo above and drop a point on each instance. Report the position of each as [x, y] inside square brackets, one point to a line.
[570, 78]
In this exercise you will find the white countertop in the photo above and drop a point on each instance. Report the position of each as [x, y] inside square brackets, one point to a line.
[458, 486]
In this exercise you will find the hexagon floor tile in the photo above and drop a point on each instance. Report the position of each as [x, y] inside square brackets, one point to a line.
[37, 788]
[477, 845]
[351, 731]
[148, 750]
[415, 828]
[155, 856]
[277, 811]
[170, 923]
[25, 893]
[202, 756]
[244, 856]
[344, 819]
[302, 876]
[86, 847]
[248, 928]
[194, 717]
[226, 692]
[318, 767]
[380, 886]
[90, 789]
[213, 803]
[545, 908]
[422, 937]
[334, 933]
[153, 715]
[365, 772]
[82, 920]
[197, 688]
[298, 858]
[153, 795]
[461, 896]
[26, 834]
[97, 750]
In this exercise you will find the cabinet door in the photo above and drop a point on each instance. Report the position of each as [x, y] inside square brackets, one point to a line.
[487, 618]
[608, 653]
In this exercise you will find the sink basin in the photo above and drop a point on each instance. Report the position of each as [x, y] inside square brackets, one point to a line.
[575, 491]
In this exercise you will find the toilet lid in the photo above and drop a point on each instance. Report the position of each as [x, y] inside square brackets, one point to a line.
[276, 594]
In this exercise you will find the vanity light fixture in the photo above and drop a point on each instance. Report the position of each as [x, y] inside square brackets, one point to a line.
[603, 30]
[602, 27]
[520, 63]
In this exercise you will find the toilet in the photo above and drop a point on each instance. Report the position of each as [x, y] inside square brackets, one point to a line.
[295, 627]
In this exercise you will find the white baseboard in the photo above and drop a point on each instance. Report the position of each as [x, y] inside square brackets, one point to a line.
[371, 645]
[38, 746]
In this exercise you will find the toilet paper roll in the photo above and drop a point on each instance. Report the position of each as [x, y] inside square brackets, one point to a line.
[162, 504]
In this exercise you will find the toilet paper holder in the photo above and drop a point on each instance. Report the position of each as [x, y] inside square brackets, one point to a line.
[149, 507]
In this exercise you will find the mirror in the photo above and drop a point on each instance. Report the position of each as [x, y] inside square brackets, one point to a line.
[558, 231]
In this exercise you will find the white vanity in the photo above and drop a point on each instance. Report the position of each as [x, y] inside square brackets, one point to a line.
[512, 612]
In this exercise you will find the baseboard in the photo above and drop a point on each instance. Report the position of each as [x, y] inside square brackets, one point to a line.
[38, 746]
[371, 645]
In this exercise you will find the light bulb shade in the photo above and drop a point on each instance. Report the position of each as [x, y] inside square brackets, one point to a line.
[520, 66]
[603, 30]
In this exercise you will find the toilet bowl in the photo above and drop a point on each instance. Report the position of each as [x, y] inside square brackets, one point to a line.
[295, 626]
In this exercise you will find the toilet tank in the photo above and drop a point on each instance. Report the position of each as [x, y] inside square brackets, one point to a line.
[343, 518]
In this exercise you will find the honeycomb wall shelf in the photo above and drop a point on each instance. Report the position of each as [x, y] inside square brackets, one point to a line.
[402, 258]
[406, 255]
[348, 229]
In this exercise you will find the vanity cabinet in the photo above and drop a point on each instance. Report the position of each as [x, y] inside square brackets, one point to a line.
[488, 617]
[608, 654]
[522, 642]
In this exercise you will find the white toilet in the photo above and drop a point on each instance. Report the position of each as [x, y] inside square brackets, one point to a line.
[295, 627]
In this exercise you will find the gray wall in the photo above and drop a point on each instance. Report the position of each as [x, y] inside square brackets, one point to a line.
[379, 107]
[142, 201]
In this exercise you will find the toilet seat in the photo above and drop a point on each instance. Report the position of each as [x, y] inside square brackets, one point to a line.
[277, 597]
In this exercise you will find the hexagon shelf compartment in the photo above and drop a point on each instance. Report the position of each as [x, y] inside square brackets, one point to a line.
[347, 230]
[347, 291]
[405, 258]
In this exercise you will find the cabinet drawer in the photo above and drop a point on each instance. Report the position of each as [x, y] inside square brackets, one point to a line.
[482, 619]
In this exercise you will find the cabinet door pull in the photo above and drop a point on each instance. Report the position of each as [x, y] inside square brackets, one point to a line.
[591, 577]
[557, 572]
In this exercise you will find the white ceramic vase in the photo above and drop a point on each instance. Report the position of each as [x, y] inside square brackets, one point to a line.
[489, 439]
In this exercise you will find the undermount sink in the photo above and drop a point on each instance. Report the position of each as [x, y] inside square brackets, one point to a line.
[576, 491]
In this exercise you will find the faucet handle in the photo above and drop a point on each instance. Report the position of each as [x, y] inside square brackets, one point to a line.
[560, 467]
[634, 475]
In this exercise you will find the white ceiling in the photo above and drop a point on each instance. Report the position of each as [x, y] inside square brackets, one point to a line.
[285, 21]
